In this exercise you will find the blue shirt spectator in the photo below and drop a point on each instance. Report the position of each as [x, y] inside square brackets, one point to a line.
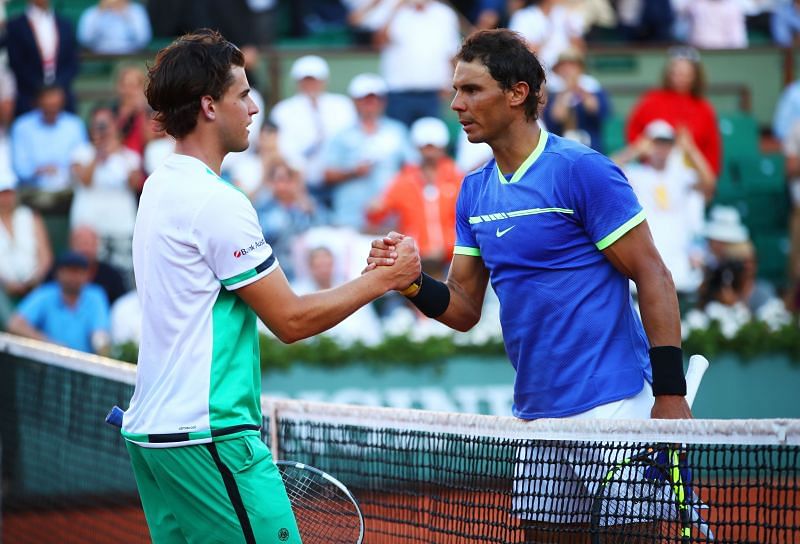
[70, 311]
[114, 27]
[43, 142]
[785, 23]
[787, 110]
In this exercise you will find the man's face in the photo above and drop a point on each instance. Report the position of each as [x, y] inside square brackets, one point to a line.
[72, 279]
[51, 103]
[235, 110]
[370, 106]
[311, 86]
[481, 104]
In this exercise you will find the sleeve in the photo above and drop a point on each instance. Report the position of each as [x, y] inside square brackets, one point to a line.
[21, 160]
[603, 199]
[466, 244]
[87, 27]
[230, 240]
[141, 25]
[32, 308]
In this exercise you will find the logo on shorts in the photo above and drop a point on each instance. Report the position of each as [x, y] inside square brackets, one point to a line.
[283, 534]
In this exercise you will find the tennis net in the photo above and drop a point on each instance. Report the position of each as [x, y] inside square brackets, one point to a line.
[419, 476]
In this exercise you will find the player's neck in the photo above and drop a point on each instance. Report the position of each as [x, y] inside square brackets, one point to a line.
[194, 145]
[515, 146]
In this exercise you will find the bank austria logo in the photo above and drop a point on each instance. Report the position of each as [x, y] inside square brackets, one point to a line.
[245, 250]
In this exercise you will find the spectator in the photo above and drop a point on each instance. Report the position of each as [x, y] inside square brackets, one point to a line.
[84, 241]
[126, 320]
[42, 144]
[307, 120]
[488, 14]
[723, 229]
[715, 24]
[418, 71]
[24, 246]
[8, 95]
[785, 23]
[42, 51]
[549, 28]
[109, 178]
[672, 191]
[114, 27]
[363, 325]
[598, 16]
[680, 101]
[787, 111]
[363, 158]
[577, 105]
[646, 20]
[285, 210]
[791, 150]
[366, 17]
[133, 115]
[423, 197]
[70, 311]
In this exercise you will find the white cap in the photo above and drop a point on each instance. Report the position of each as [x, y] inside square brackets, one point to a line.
[366, 84]
[310, 66]
[429, 131]
[725, 225]
[8, 183]
[659, 130]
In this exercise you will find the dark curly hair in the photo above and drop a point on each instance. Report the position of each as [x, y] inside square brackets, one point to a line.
[195, 65]
[509, 61]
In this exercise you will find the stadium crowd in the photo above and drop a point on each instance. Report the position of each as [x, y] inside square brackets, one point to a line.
[325, 171]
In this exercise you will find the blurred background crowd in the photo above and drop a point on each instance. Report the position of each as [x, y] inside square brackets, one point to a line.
[339, 154]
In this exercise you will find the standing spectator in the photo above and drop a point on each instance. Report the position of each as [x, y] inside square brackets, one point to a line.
[42, 51]
[70, 311]
[366, 17]
[715, 24]
[672, 195]
[133, 115]
[791, 150]
[577, 105]
[285, 210]
[42, 144]
[681, 102]
[307, 120]
[418, 71]
[24, 246]
[785, 23]
[363, 158]
[646, 20]
[109, 177]
[84, 241]
[549, 28]
[423, 197]
[114, 27]
[787, 111]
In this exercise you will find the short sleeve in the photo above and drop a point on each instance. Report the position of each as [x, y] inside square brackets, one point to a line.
[229, 237]
[32, 307]
[603, 199]
[466, 244]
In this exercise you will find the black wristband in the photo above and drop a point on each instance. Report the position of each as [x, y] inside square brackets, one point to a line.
[432, 298]
[667, 364]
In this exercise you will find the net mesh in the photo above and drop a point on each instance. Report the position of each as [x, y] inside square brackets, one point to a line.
[419, 477]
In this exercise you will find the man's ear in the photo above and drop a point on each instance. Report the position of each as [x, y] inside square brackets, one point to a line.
[518, 93]
[208, 108]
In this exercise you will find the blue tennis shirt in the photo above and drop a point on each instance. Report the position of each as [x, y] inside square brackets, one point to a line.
[569, 325]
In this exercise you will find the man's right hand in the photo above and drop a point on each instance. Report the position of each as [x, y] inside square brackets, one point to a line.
[398, 259]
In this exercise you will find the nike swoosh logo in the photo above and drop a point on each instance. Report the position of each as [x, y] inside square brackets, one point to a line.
[500, 233]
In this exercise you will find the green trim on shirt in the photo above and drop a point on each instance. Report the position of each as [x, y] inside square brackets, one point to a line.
[523, 168]
[620, 231]
[469, 251]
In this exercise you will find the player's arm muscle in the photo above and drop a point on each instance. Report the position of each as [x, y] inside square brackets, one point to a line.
[467, 282]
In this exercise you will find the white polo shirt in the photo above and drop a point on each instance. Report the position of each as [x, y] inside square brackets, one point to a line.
[196, 240]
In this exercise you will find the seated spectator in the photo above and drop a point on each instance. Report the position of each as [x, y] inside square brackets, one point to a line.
[785, 23]
[307, 120]
[70, 311]
[363, 326]
[24, 246]
[549, 29]
[577, 105]
[109, 178]
[423, 197]
[133, 114]
[680, 101]
[791, 150]
[42, 145]
[672, 190]
[715, 24]
[285, 210]
[84, 241]
[114, 27]
[723, 229]
[126, 320]
[361, 159]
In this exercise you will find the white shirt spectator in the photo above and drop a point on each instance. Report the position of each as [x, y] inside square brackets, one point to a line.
[126, 319]
[549, 34]
[412, 63]
[121, 29]
[376, 13]
[716, 24]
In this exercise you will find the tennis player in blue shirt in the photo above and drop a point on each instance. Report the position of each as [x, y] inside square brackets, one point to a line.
[559, 232]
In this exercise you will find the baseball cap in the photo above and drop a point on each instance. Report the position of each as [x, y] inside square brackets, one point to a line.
[310, 66]
[429, 131]
[72, 258]
[366, 84]
[659, 130]
[725, 225]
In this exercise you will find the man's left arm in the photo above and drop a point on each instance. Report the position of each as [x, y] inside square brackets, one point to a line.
[636, 256]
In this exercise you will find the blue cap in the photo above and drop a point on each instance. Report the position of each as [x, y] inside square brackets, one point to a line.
[72, 258]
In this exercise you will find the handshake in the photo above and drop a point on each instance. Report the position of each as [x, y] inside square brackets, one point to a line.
[396, 258]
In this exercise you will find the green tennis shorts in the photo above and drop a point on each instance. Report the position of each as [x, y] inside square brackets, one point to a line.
[222, 492]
